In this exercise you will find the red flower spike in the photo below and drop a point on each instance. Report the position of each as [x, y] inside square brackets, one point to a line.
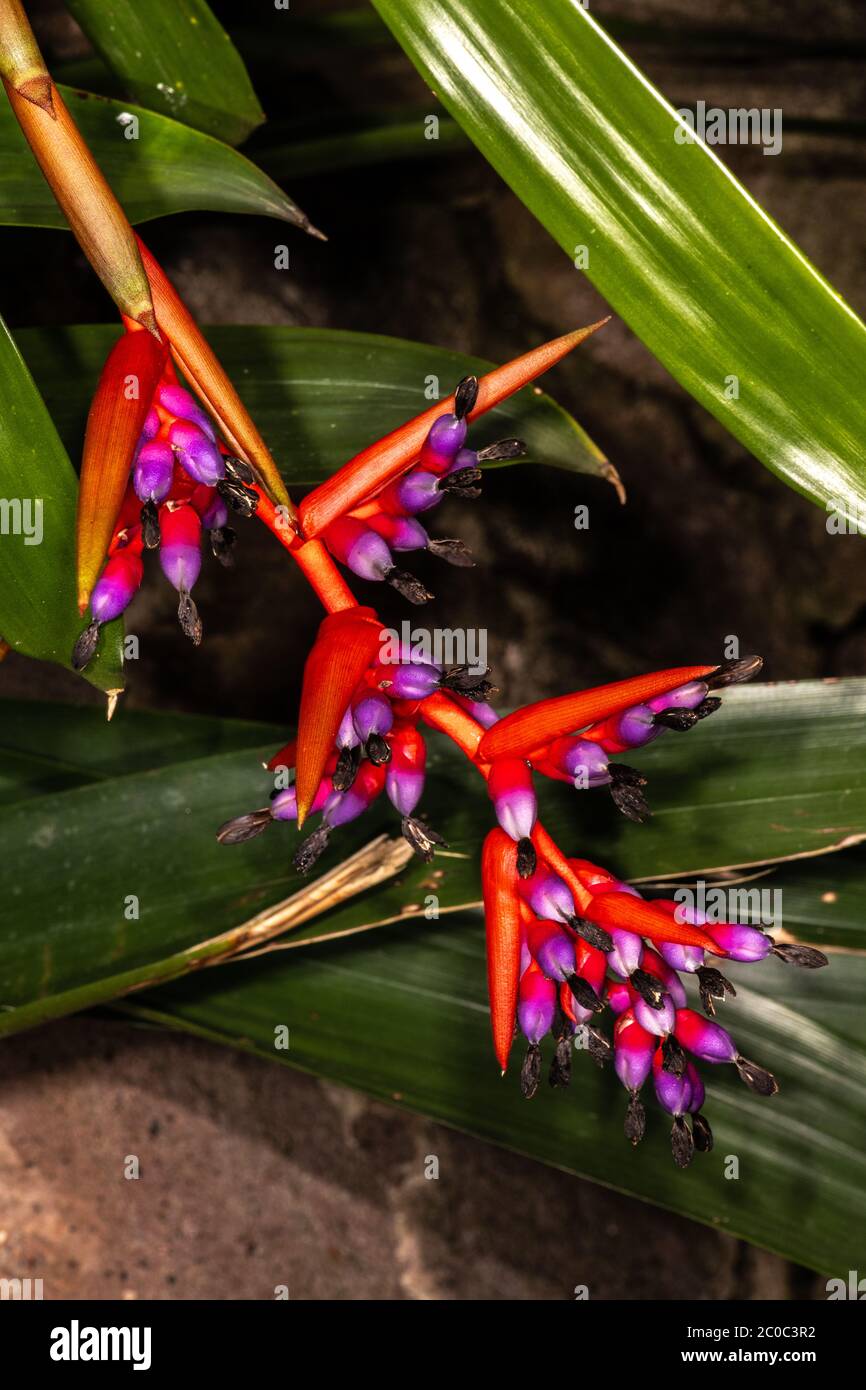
[117, 413]
[377, 465]
[346, 644]
[285, 758]
[612, 910]
[529, 730]
[502, 918]
[200, 366]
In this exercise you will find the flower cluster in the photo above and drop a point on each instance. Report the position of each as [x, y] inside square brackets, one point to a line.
[363, 698]
[565, 938]
[364, 538]
[570, 939]
[181, 482]
[162, 466]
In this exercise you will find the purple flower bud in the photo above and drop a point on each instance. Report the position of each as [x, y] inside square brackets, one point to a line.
[369, 556]
[698, 1095]
[547, 895]
[417, 491]
[619, 996]
[703, 1038]
[284, 805]
[440, 448]
[585, 762]
[512, 792]
[536, 1005]
[688, 958]
[683, 697]
[483, 714]
[342, 807]
[217, 514]
[403, 787]
[180, 551]
[553, 950]
[179, 402]
[411, 680]
[633, 1051]
[372, 714]
[674, 1093]
[196, 453]
[635, 726]
[661, 1021]
[741, 943]
[654, 965]
[154, 469]
[399, 532]
[627, 952]
[346, 735]
[466, 458]
[115, 587]
[150, 428]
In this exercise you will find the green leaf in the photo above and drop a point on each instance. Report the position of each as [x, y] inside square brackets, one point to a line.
[684, 253]
[175, 57]
[38, 492]
[95, 812]
[402, 1015]
[336, 391]
[293, 150]
[155, 168]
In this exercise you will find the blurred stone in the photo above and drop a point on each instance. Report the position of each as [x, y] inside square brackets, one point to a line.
[252, 1176]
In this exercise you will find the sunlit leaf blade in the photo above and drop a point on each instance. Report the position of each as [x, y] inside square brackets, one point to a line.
[154, 164]
[680, 250]
[320, 395]
[38, 611]
[175, 57]
[402, 1015]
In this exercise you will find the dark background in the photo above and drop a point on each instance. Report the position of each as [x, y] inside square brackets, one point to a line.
[305, 1176]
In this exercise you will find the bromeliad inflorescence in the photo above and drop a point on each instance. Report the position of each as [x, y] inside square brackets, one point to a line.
[565, 938]
[161, 468]
[163, 464]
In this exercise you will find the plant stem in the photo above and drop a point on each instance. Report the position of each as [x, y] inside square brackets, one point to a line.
[95, 216]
